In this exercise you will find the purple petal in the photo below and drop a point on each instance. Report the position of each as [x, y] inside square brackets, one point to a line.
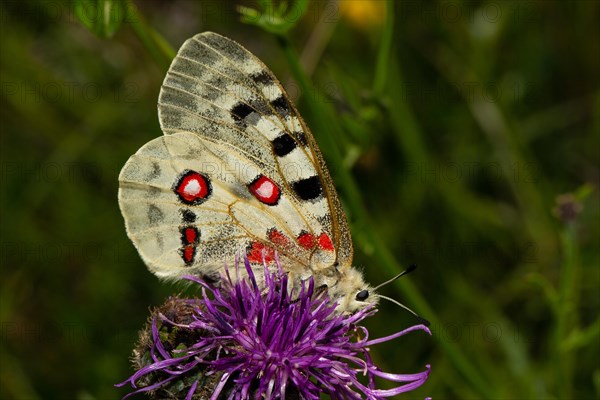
[398, 334]
[272, 340]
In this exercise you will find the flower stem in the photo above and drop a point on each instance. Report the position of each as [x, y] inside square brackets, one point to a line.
[566, 318]
[383, 55]
[158, 47]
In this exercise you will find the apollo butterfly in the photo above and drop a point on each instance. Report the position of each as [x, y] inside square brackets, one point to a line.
[237, 172]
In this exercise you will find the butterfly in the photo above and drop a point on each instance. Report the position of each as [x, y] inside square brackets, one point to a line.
[237, 172]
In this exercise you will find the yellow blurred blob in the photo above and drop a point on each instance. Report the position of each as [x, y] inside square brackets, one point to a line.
[364, 14]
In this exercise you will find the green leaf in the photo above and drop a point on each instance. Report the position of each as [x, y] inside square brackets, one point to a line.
[580, 338]
[103, 17]
[277, 20]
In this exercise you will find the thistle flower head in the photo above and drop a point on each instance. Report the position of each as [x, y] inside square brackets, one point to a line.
[242, 341]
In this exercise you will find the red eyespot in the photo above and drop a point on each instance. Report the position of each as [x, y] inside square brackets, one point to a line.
[278, 238]
[307, 241]
[188, 253]
[265, 190]
[325, 242]
[192, 187]
[189, 235]
[257, 251]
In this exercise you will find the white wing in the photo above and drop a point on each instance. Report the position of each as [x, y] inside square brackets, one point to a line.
[238, 171]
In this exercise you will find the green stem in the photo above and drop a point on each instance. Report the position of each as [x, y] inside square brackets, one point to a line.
[566, 318]
[383, 54]
[324, 118]
[158, 47]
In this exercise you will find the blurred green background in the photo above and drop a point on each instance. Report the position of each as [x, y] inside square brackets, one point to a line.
[462, 135]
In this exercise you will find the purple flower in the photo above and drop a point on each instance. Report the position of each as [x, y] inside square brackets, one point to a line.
[244, 342]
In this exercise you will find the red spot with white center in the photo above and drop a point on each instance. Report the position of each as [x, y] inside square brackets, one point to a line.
[257, 251]
[193, 187]
[325, 242]
[265, 190]
[307, 241]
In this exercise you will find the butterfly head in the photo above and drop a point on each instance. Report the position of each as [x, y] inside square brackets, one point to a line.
[352, 293]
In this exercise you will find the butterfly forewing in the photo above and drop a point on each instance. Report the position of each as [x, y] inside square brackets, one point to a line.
[238, 171]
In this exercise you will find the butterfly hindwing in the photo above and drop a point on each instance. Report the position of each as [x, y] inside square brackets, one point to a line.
[238, 170]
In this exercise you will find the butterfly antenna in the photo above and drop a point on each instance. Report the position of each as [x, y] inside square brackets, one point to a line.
[421, 319]
[410, 268]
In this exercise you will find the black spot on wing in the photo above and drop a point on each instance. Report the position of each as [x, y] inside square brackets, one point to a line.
[261, 77]
[280, 104]
[188, 216]
[241, 111]
[283, 145]
[309, 188]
